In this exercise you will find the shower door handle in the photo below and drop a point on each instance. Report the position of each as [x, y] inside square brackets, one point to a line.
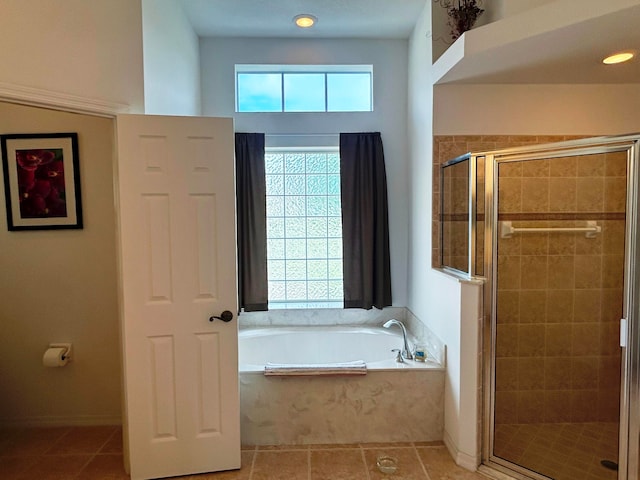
[225, 316]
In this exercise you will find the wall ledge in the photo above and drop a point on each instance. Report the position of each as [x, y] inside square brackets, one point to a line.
[460, 277]
[36, 97]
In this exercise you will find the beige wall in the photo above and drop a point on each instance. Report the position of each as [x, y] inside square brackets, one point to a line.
[60, 286]
[536, 109]
[447, 307]
[91, 49]
[171, 60]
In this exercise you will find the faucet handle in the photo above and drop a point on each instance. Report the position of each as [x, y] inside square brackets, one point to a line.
[399, 358]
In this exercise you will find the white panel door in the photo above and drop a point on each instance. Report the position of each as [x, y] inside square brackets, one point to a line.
[176, 203]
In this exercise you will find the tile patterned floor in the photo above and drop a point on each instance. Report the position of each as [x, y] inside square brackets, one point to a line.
[563, 451]
[95, 453]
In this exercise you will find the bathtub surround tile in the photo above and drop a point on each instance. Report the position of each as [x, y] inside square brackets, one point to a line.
[422, 333]
[302, 410]
[321, 316]
[344, 410]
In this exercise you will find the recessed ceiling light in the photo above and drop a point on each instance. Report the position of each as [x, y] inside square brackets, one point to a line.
[618, 58]
[305, 20]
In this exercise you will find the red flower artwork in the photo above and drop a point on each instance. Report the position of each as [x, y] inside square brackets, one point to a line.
[41, 184]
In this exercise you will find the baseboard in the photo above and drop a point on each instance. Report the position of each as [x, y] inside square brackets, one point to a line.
[462, 459]
[61, 421]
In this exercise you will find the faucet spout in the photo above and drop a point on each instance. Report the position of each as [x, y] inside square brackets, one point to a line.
[406, 352]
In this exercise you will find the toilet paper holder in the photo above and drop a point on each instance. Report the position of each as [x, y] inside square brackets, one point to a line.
[68, 347]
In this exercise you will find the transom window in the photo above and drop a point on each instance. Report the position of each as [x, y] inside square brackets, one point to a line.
[304, 88]
[304, 227]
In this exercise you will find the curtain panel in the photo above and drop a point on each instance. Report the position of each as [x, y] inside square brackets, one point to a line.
[365, 221]
[251, 203]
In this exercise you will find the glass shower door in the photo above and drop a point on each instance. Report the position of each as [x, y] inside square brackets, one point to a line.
[558, 297]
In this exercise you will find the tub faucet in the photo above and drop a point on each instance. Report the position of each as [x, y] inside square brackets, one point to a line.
[406, 352]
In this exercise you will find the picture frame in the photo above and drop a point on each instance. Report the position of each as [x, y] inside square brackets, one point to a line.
[42, 181]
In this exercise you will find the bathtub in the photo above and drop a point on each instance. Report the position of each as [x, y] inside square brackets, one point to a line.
[321, 345]
[393, 402]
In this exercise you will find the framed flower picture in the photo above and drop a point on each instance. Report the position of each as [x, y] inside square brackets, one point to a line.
[41, 181]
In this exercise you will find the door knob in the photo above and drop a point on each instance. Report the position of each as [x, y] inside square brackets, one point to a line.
[225, 316]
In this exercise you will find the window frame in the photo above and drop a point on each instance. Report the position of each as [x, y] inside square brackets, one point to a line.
[282, 70]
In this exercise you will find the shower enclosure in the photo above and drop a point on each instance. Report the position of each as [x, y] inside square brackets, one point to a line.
[552, 229]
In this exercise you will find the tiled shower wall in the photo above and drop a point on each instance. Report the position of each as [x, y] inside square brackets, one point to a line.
[448, 147]
[560, 294]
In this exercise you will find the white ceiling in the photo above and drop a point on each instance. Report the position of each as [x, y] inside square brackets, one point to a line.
[529, 53]
[274, 18]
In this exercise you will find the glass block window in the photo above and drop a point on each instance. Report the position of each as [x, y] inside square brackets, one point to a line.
[304, 228]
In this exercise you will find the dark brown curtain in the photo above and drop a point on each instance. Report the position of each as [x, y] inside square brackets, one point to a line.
[251, 199]
[365, 221]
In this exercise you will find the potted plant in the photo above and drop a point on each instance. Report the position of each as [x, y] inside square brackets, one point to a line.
[463, 15]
